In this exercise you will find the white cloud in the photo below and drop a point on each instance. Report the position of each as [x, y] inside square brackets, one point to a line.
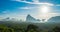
[6, 11]
[26, 8]
[37, 2]
[22, 1]
[16, 0]
[34, 2]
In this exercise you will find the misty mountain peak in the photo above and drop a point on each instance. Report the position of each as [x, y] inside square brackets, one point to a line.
[29, 18]
[54, 19]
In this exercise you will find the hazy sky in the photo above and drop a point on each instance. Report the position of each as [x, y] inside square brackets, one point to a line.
[19, 9]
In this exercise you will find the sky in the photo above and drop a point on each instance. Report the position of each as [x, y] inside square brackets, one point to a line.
[39, 9]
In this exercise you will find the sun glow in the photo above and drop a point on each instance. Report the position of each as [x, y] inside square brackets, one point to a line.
[44, 12]
[44, 9]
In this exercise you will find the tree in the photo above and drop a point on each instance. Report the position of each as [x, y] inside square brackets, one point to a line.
[56, 29]
[32, 28]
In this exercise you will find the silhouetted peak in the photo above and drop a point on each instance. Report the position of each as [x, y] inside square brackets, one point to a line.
[30, 18]
[28, 15]
[7, 18]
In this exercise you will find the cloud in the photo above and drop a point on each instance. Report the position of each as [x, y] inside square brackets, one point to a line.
[26, 8]
[37, 2]
[33, 2]
[22, 1]
[6, 11]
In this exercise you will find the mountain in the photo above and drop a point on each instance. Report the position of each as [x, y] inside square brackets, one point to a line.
[55, 19]
[29, 18]
[6, 19]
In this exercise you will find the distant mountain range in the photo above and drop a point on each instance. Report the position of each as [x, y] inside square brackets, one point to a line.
[31, 19]
[55, 19]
